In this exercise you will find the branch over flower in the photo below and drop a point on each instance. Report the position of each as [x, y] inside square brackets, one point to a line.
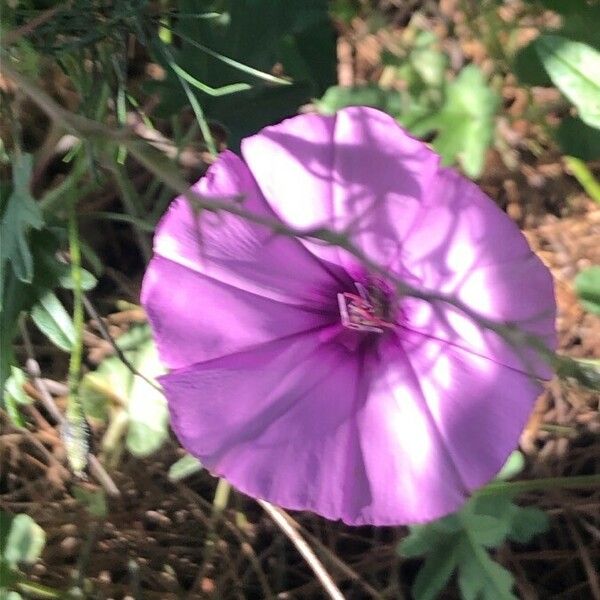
[300, 372]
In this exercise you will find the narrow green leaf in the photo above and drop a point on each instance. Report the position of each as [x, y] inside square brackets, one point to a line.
[514, 464]
[54, 321]
[14, 395]
[14, 386]
[584, 176]
[574, 68]
[88, 281]
[230, 61]
[187, 465]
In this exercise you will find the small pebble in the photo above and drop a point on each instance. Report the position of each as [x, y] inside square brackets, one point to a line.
[69, 546]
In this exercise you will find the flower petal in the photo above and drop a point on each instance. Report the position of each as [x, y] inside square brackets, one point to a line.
[479, 406]
[196, 318]
[314, 432]
[463, 246]
[357, 171]
[219, 284]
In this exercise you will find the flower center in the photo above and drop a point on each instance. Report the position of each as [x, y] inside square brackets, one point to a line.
[370, 310]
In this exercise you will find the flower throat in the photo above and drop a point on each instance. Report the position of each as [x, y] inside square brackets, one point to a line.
[370, 310]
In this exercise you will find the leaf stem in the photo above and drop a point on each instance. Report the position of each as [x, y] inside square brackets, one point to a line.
[545, 483]
[78, 317]
[584, 176]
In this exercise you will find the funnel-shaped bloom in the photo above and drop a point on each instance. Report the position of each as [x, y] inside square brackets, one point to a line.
[307, 380]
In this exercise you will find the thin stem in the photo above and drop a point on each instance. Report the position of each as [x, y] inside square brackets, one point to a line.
[305, 550]
[76, 431]
[155, 162]
[33, 368]
[221, 498]
[37, 590]
[130, 201]
[545, 483]
[584, 176]
[78, 316]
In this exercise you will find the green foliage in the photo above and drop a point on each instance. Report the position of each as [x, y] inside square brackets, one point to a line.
[54, 321]
[30, 268]
[14, 395]
[21, 539]
[578, 139]
[20, 214]
[217, 53]
[465, 122]
[569, 58]
[460, 113]
[579, 23]
[460, 542]
[587, 286]
[514, 464]
[21, 542]
[134, 408]
[187, 465]
[93, 500]
[337, 97]
[574, 68]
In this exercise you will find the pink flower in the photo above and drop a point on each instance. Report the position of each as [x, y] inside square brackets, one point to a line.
[307, 381]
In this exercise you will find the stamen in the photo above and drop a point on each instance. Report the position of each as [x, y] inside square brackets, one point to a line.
[367, 311]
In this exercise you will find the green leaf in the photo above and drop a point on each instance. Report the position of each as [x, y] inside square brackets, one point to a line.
[19, 214]
[465, 123]
[187, 465]
[147, 406]
[578, 139]
[574, 68]
[16, 299]
[54, 321]
[587, 286]
[14, 386]
[526, 523]
[22, 540]
[487, 530]
[436, 571]
[93, 500]
[338, 97]
[6, 595]
[528, 67]
[480, 578]
[422, 538]
[14, 395]
[296, 36]
[133, 406]
[460, 541]
[427, 60]
[514, 464]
